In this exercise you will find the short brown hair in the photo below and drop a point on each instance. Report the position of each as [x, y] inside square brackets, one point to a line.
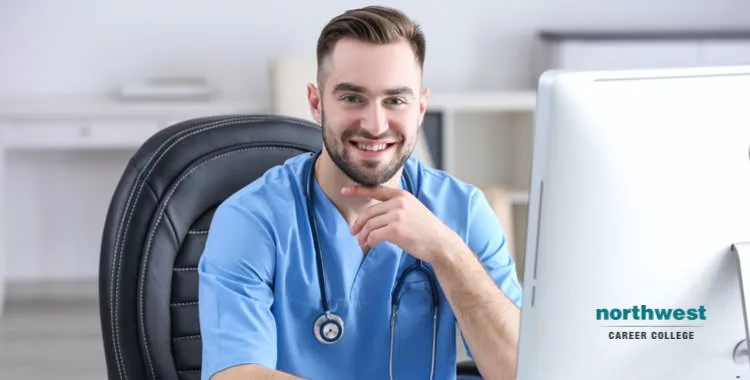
[372, 24]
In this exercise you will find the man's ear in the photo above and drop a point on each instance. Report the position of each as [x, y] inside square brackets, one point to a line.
[313, 97]
[423, 104]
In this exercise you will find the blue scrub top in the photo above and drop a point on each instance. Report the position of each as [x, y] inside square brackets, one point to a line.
[259, 293]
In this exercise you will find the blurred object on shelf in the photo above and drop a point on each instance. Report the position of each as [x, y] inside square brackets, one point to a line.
[289, 79]
[166, 89]
[503, 207]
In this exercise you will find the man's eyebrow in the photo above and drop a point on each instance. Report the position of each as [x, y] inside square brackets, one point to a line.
[399, 91]
[349, 87]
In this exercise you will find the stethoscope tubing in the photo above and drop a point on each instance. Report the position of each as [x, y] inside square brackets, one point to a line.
[331, 318]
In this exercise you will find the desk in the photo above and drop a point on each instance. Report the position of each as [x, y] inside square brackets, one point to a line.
[59, 164]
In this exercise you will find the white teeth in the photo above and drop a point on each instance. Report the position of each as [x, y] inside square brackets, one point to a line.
[373, 148]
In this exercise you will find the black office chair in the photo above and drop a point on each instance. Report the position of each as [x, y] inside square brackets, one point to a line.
[156, 228]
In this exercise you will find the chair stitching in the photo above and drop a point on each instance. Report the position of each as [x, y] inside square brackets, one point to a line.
[181, 304]
[152, 233]
[115, 273]
[117, 256]
[184, 269]
[173, 230]
[132, 199]
[187, 337]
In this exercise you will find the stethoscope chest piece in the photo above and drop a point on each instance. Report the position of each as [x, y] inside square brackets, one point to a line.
[328, 328]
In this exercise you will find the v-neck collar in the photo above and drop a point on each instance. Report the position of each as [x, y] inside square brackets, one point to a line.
[351, 275]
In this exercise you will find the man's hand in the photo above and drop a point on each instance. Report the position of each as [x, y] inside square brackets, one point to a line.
[401, 219]
[488, 319]
[252, 371]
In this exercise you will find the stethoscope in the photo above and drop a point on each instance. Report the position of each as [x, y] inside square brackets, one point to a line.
[329, 327]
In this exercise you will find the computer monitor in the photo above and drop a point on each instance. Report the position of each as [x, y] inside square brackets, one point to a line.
[640, 189]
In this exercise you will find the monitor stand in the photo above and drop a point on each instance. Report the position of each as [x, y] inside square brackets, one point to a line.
[742, 251]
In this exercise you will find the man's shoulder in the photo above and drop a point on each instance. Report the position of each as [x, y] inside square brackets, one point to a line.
[438, 186]
[458, 203]
[276, 189]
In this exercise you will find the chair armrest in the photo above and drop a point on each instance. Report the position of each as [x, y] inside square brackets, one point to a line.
[467, 370]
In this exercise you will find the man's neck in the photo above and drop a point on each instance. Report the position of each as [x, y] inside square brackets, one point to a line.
[332, 180]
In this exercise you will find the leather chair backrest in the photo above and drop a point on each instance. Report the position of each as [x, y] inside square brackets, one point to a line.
[156, 228]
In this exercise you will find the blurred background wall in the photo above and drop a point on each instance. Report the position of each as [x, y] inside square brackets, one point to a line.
[86, 47]
[61, 60]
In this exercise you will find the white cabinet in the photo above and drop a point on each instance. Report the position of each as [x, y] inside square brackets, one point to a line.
[605, 50]
[718, 52]
[60, 162]
[62, 133]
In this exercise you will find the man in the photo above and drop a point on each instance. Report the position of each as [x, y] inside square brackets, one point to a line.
[266, 308]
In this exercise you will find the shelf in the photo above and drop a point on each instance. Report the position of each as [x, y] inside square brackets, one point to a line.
[105, 107]
[491, 101]
[62, 134]
[102, 123]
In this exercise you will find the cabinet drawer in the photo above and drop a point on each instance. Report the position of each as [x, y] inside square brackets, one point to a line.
[125, 133]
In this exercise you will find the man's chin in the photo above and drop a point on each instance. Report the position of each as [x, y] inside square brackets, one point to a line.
[374, 177]
[370, 172]
[368, 180]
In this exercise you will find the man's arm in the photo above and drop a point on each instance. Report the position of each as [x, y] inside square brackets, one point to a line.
[488, 320]
[254, 372]
[238, 329]
[479, 279]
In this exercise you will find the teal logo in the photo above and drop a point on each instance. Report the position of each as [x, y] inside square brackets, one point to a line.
[671, 325]
[644, 313]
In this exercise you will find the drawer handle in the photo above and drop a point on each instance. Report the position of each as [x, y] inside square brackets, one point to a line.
[84, 131]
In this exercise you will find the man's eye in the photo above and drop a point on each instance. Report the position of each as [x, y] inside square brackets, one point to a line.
[351, 99]
[395, 101]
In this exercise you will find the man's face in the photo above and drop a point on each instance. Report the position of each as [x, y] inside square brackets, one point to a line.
[371, 108]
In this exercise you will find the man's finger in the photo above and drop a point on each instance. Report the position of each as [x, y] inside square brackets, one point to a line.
[378, 235]
[374, 224]
[370, 212]
[381, 193]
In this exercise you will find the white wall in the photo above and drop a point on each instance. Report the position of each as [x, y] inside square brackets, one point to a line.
[87, 47]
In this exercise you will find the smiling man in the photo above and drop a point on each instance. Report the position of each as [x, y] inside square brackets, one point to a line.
[358, 261]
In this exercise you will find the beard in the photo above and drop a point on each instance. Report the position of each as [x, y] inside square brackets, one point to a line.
[365, 173]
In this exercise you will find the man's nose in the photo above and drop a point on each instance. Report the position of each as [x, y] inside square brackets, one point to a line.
[375, 120]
